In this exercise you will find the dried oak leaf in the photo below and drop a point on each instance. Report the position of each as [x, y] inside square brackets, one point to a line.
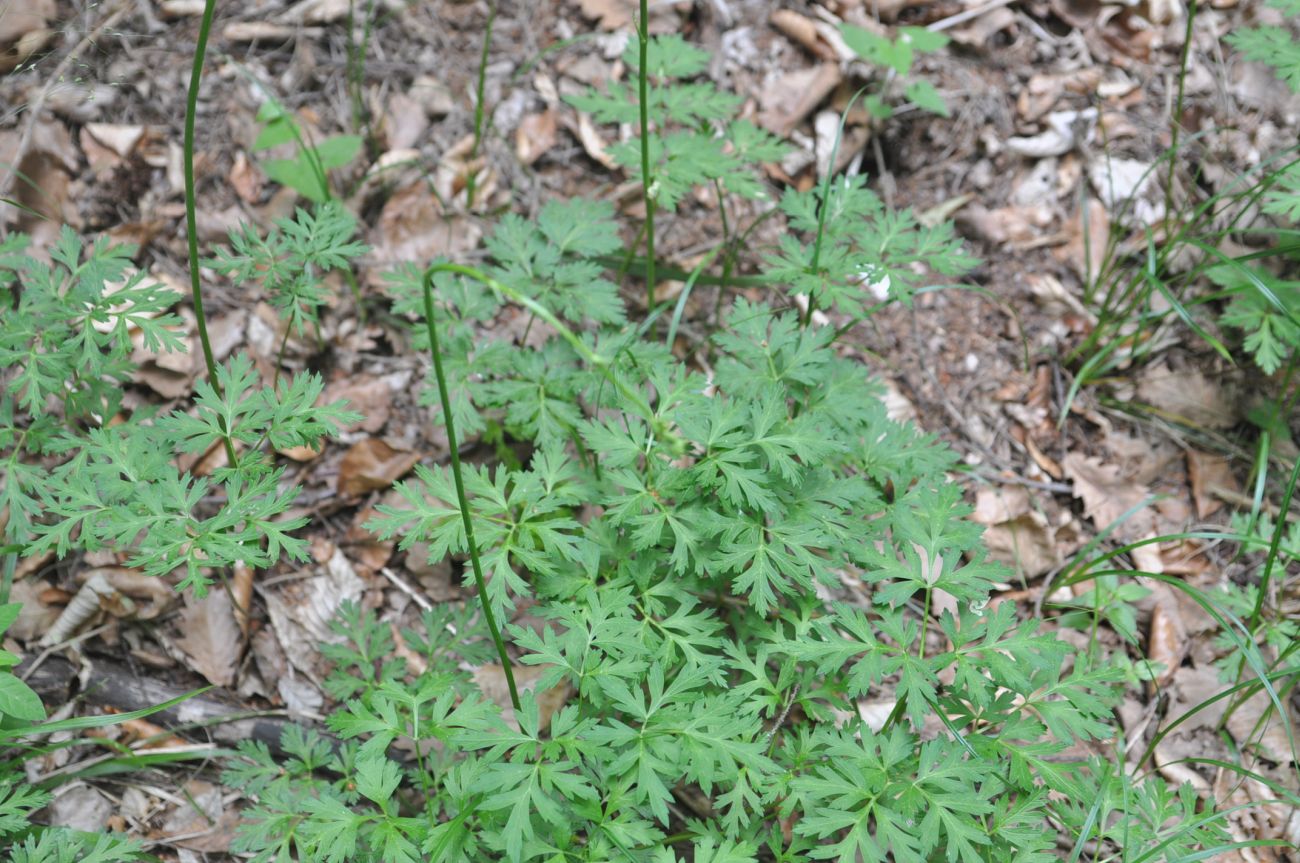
[1107, 495]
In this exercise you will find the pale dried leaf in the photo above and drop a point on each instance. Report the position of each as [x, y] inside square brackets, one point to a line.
[609, 14]
[1188, 396]
[1166, 640]
[119, 138]
[302, 611]
[211, 637]
[592, 142]
[536, 135]
[1255, 725]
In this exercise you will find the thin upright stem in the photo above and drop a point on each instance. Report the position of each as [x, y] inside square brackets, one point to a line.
[648, 192]
[479, 89]
[191, 217]
[479, 581]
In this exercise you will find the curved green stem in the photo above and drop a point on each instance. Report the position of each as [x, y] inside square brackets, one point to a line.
[191, 217]
[479, 581]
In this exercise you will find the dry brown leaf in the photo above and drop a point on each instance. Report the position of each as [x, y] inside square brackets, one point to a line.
[405, 122]
[1207, 473]
[978, 34]
[803, 30]
[182, 8]
[1188, 396]
[996, 505]
[592, 143]
[24, 30]
[609, 14]
[316, 12]
[412, 227]
[1107, 495]
[491, 680]
[1016, 534]
[372, 464]
[156, 593]
[536, 135]
[789, 99]
[1085, 249]
[303, 453]
[1005, 224]
[302, 612]
[241, 590]
[1166, 640]
[265, 31]
[119, 138]
[370, 396]
[246, 179]
[1255, 725]
[41, 182]
[211, 637]
[433, 95]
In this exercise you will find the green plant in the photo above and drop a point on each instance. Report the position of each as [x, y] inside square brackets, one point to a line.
[897, 56]
[308, 171]
[22, 730]
[114, 486]
[1141, 298]
[687, 136]
[677, 535]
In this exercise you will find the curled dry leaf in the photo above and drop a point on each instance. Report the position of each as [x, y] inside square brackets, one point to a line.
[369, 395]
[372, 464]
[246, 179]
[266, 31]
[211, 637]
[1065, 129]
[591, 141]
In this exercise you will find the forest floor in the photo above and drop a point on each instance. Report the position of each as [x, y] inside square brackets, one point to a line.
[1059, 108]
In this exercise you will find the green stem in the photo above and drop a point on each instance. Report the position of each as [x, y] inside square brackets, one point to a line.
[480, 86]
[647, 184]
[1177, 119]
[191, 217]
[814, 266]
[479, 581]
[631, 395]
